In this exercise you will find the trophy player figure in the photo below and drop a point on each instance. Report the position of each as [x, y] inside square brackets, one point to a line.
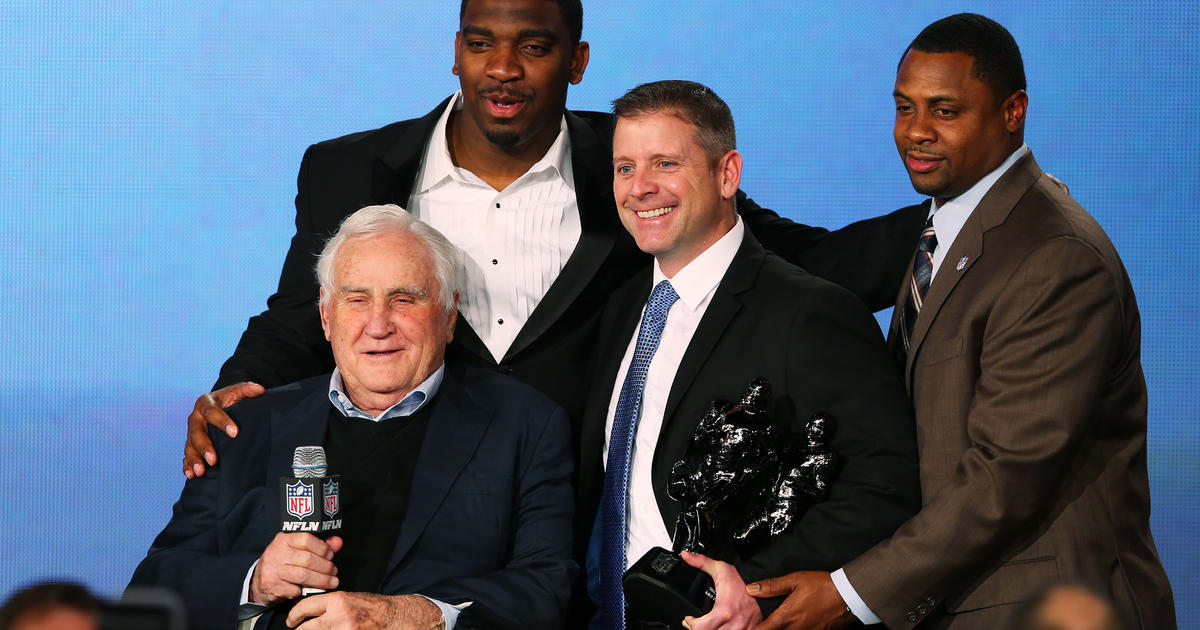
[739, 481]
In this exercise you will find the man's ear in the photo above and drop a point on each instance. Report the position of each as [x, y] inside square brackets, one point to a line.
[729, 172]
[579, 61]
[452, 319]
[457, 42]
[323, 308]
[1014, 108]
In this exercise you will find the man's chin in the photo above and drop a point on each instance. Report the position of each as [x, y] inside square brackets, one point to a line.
[926, 188]
[503, 138]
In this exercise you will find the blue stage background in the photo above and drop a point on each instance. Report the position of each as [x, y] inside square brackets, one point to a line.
[148, 152]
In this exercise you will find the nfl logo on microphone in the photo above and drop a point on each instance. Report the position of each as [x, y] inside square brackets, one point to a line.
[300, 499]
[330, 490]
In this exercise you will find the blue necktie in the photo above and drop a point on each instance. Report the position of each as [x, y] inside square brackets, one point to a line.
[918, 286]
[614, 504]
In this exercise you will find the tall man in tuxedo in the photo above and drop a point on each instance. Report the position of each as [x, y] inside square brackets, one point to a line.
[486, 164]
[1019, 336]
[455, 481]
[716, 312]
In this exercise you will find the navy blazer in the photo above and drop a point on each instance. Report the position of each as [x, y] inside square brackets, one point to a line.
[488, 517]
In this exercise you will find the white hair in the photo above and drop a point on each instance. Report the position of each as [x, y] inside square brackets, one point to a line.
[388, 219]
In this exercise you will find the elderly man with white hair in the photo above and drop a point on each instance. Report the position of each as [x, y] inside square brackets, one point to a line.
[455, 481]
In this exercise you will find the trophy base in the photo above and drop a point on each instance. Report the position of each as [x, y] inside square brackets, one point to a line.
[661, 588]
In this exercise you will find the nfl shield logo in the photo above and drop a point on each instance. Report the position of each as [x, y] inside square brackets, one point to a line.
[330, 490]
[663, 563]
[299, 499]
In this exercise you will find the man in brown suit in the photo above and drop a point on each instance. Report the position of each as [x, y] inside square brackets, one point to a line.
[1020, 340]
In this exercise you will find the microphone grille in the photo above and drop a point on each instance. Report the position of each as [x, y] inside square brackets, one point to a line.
[309, 461]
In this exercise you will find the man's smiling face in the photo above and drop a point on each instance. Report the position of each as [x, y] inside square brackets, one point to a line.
[383, 318]
[672, 196]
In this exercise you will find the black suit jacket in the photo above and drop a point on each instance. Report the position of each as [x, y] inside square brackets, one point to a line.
[285, 343]
[488, 518]
[821, 351]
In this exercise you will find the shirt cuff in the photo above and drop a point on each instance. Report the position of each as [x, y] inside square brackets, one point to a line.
[853, 601]
[246, 609]
[449, 611]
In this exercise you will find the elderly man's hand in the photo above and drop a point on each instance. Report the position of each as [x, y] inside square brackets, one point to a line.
[812, 602]
[734, 609]
[364, 611]
[292, 561]
[209, 410]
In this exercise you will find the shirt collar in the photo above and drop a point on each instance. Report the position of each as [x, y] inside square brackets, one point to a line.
[701, 276]
[407, 406]
[950, 217]
[438, 166]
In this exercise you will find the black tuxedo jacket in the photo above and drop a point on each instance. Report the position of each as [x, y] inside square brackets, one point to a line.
[821, 351]
[285, 343]
[488, 518]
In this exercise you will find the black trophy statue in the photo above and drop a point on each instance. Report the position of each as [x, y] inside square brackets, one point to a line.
[739, 482]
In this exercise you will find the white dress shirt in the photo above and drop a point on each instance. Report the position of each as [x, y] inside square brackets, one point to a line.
[514, 242]
[695, 284]
[947, 223]
[949, 218]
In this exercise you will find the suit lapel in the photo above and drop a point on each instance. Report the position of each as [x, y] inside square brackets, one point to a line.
[396, 169]
[456, 426]
[725, 305]
[967, 249]
[466, 338]
[592, 171]
[625, 308]
[302, 425]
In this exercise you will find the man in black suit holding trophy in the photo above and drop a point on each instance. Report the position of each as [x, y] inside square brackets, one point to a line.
[716, 312]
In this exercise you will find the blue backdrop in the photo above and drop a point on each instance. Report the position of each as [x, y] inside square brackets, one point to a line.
[148, 152]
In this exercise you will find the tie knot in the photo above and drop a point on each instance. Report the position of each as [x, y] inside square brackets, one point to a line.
[928, 241]
[661, 298]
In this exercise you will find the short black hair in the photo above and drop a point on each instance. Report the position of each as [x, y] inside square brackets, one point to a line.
[997, 57]
[572, 13]
[45, 597]
[691, 102]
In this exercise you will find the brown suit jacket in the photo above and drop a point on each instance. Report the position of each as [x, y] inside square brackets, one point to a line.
[1026, 380]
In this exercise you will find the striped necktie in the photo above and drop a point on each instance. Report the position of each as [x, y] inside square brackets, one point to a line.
[614, 504]
[918, 286]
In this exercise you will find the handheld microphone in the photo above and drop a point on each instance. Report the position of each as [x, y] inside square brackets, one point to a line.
[310, 499]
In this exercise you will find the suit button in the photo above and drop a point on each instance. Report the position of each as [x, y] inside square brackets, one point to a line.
[921, 610]
[930, 600]
[911, 618]
[504, 369]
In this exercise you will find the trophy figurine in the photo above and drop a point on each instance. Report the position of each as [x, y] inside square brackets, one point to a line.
[739, 483]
